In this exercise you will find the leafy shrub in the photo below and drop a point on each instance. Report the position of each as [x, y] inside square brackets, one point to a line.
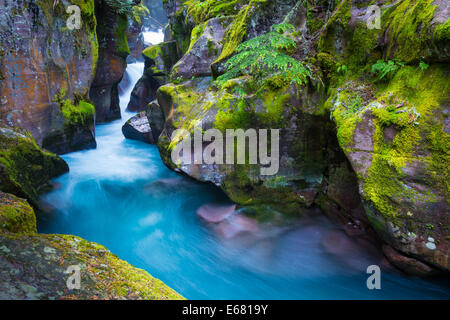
[267, 59]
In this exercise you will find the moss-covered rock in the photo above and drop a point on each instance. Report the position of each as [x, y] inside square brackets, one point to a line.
[78, 131]
[159, 60]
[37, 266]
[396, 137]
[410, 31]
[39, 57]
[302, 162]
[380, 164]
[204, 49]
[26, 169]
[16, 215]
[163, 55]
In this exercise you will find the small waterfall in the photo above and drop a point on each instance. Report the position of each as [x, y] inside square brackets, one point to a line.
[133, 73]
[153, 37]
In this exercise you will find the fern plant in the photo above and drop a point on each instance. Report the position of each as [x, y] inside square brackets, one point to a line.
[121, 7]
[386, 70]
[267, 60]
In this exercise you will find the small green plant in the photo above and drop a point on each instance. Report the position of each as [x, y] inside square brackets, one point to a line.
[342, 69]
[386, 70]
[267, 60]
[423, 66]
[355, 105]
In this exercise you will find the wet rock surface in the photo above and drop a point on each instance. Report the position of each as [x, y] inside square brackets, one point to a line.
[26, 169]
[138, 128]
[36, 266]
[39, 58]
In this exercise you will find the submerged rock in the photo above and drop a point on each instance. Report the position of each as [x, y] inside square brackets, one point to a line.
[236, 225]
[407, 264]
[214, 213]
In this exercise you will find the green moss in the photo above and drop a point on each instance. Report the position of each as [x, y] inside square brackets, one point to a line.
[164, 54]
[203, 10]
[187, 106]
[16, 215]
[27, 168]
[408, 23]
[345, 106]
[120, 278]
[196, 33]
[418, 129]
[79, 115]
[153, 52]
[121, 35]
[238, 30]
[336, 24]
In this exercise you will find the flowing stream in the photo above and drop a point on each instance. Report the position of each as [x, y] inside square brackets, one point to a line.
[122, 196]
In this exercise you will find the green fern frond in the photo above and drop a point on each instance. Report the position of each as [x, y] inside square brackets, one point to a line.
[266, 57]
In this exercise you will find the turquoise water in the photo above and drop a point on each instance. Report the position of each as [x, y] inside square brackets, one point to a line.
[122, 196]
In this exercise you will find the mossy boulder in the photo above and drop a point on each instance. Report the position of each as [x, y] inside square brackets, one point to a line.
[396, 136]
[78, 130]
[410, 31]
[301, 165]
[159, 60]
[163, 55]
[37, 266]
[16, 215]
[25, 168]
[205, 47]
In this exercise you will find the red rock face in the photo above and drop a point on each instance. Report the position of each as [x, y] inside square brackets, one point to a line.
[113, 52]
[135, 41]
[39, 57]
